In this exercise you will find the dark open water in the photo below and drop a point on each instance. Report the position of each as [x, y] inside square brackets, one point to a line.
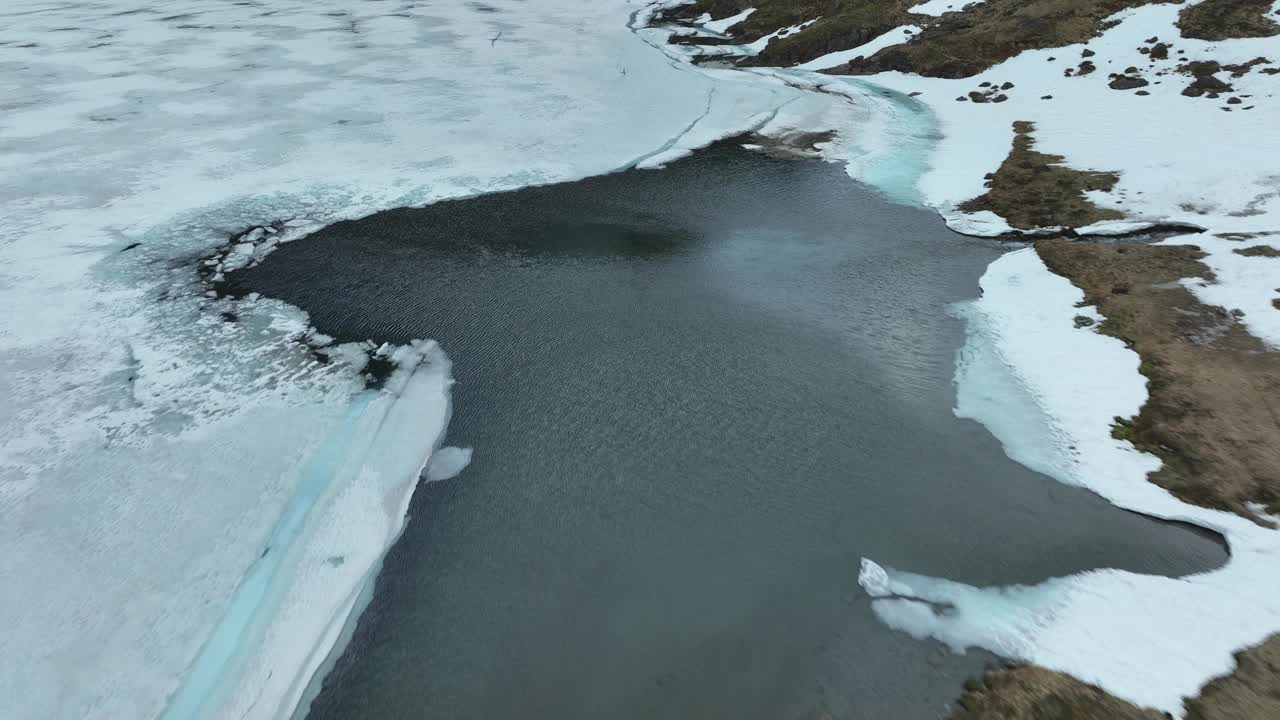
[697, 397]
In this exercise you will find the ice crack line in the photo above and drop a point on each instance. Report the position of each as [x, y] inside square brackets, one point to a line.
[711, 94]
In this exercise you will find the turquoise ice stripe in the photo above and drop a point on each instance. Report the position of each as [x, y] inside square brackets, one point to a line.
[214, 665]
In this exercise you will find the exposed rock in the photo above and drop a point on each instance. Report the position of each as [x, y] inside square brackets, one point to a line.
[1239, 69]
[1206, 84]
[1126, 82]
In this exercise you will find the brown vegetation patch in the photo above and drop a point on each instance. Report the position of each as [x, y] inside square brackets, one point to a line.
[857, 24]
[1033, 190]
[1024, 692]
[1213, 415]
[1258, 251]
[840, 24]
[962, 44]
[1227, 19]
[1251, 692]
[1030, 693]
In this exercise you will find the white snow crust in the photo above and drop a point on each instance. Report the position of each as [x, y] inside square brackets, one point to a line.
[1148, 639]
[723, 25]
[896, 36]
[193, 507]
[1170, 171]
[1248, 284]
[940, 7]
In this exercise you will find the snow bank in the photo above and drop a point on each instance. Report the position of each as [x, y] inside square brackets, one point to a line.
[939, 7]
[1248, 284]
[1049, 392]
[192, 503]
[896, 36]
[721, 26]
[1170, 170]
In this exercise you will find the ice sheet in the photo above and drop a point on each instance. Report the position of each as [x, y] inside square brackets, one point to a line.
[158, 500]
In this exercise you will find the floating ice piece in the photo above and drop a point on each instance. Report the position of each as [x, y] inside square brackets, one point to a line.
[447, 462]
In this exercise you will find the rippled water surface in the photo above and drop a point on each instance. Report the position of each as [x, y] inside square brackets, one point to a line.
[697, 397]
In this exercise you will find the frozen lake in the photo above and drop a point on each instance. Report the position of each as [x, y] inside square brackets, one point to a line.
[697, 396]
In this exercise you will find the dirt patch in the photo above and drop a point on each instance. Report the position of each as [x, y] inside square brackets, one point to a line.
[1030, 693]
[1023, 692]
[1213, 415]
[1258, 251]
[1251, 692]
[1227, 19]
[1033, 190]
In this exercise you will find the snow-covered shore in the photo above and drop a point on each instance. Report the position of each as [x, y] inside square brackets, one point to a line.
[1051, 389]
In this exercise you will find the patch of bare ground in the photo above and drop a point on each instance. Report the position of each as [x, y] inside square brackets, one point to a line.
[1024, 692]
[839, 24]
[1258, 251]
[1251, 692]
[963, 44]
[1213, 412]
[856, 24]
[1227, 19]
[1033, 190]
[960, 43]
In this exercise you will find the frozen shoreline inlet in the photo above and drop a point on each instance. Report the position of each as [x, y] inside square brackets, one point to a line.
[1163, 637]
